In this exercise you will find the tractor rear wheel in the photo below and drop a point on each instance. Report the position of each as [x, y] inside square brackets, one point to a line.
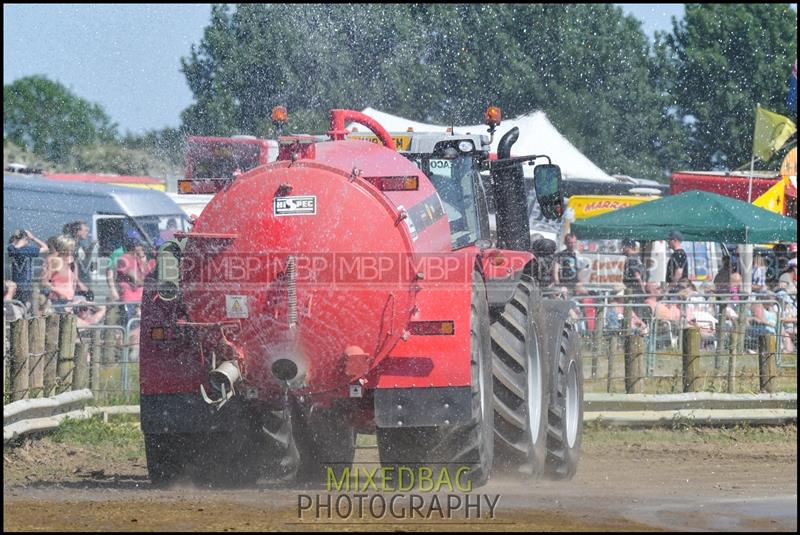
[471, 444]
[565, 413]
[326, 441]
[165, 457]
[521, 389]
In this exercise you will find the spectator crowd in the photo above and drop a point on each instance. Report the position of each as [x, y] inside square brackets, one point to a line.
[651, 304]
[61, 269]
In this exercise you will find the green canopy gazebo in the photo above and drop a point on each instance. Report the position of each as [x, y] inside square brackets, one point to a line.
[698, 215]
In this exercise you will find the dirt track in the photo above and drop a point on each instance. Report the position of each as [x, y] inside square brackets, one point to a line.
[632, 483]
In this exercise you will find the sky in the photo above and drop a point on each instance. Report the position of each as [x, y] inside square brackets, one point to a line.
[126, 57]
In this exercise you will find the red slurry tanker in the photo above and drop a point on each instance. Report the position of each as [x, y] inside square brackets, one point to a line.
[349, 287]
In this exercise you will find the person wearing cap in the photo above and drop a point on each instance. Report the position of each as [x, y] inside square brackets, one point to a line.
[633, 272]
[23, 249]
[678, 265]
[789, 278]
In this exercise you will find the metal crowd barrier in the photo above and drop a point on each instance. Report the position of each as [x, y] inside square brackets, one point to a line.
[663, 337]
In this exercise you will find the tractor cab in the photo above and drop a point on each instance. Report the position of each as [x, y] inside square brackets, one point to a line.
[451, 162]
[454, 163]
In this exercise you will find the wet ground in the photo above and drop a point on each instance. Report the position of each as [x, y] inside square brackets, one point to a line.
[633, 483]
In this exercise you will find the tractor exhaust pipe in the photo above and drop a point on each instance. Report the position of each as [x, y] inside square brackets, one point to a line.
[224, 376]
[513, 230]
[222, 379]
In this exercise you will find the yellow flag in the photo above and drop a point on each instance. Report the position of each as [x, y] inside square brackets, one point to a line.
[772, 131]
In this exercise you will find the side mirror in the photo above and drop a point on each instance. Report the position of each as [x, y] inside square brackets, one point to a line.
[549, 193]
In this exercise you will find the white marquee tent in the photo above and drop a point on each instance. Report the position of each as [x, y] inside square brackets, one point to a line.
[536, 136]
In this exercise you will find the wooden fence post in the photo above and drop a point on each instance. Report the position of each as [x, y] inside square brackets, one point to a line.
[80, 378]
[36, 331]
[20, 374]
[66, 353]
[110, 345]
[97, 348]
[610, 351]
[691, 359]
[767, 370]
[732, 360]
[720, 336]
[52, 334]
[634, 378]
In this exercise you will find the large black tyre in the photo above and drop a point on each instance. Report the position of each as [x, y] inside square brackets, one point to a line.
[521, 387]
[327, 440]
[471, 444]
[236, 459]
[565, 411]
[166, 457]
[221, 459]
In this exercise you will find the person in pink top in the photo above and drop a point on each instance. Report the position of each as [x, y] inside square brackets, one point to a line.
[60, 273]
[132, 268]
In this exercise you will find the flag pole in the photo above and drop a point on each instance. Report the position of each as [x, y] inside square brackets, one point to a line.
[752, 163]
[746, 256]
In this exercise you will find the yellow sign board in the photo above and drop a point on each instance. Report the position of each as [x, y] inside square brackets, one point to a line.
[401, 142]
[591, 205]
[773, 199]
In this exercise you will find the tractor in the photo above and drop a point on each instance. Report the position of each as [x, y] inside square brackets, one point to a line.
[350, 287]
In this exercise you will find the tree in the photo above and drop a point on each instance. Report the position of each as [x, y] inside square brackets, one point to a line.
[440, 63]
[46, 118]
[599, 87]
[728, 58]
[166, 145]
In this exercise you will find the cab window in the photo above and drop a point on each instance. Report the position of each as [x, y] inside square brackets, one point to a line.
[455, 180]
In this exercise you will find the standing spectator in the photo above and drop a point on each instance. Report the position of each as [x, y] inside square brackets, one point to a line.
[779, 260]
[21, 253]
[60, 274]
[543, 251]
[789, 278]
[116, 254]
[565, 267]
[678, 265]
[633, 272]
[132, 268]
[759, 279]
[723, 277]
[79, 231]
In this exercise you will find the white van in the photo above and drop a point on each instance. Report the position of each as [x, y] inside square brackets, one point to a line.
[44, 206]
